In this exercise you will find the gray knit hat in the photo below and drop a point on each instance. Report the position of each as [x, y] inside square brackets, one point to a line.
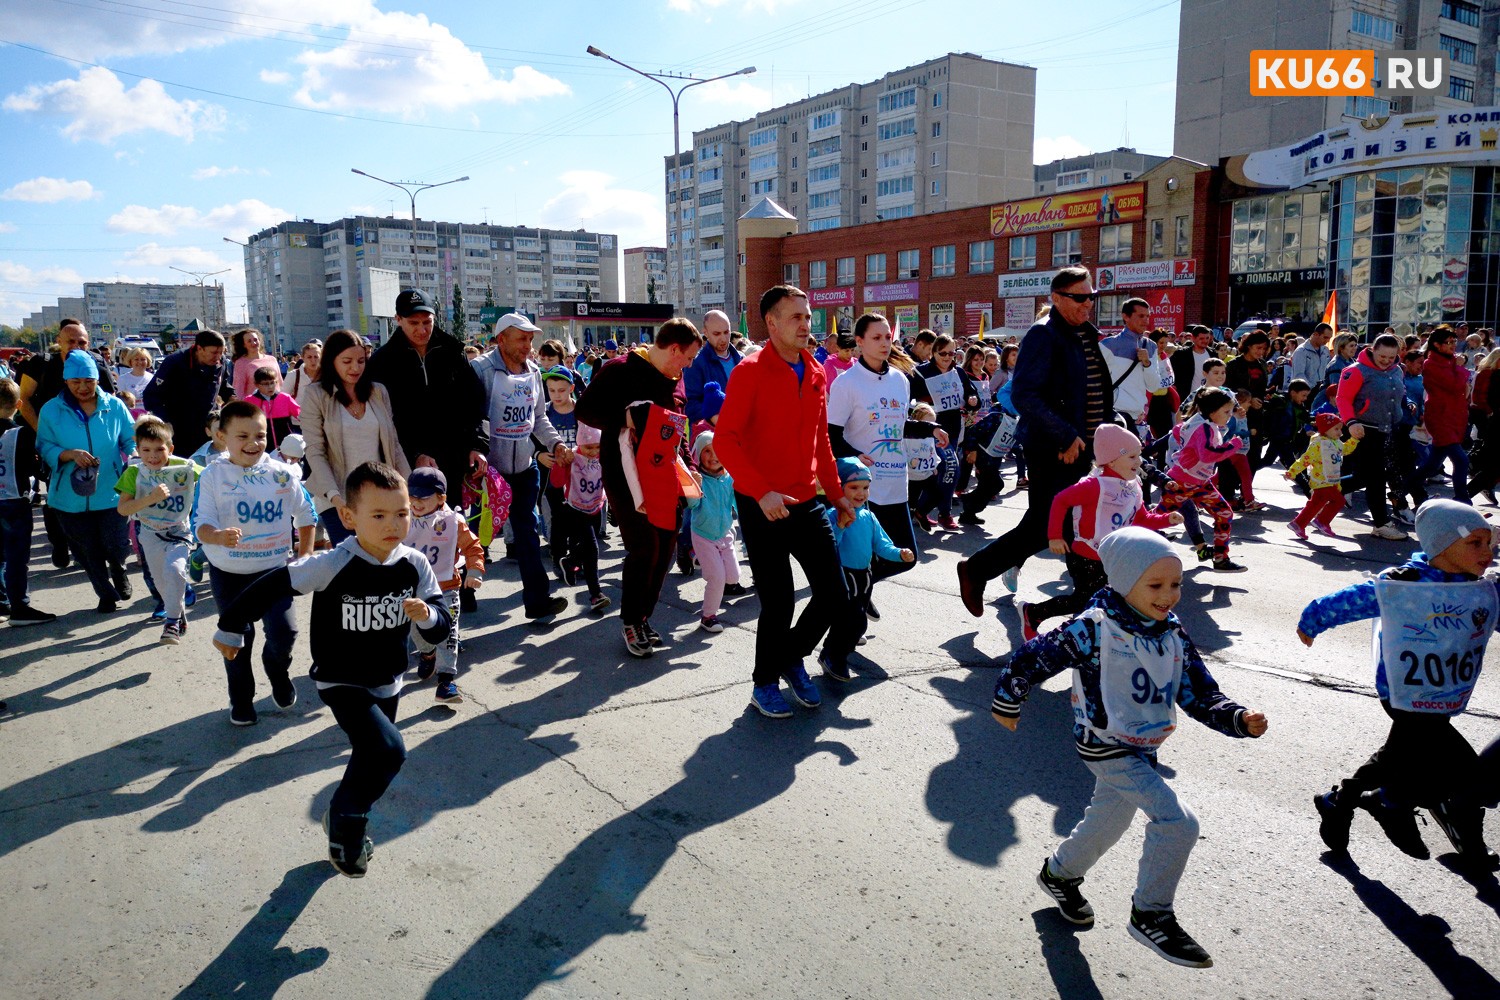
[1440, 523]
[1128, 552]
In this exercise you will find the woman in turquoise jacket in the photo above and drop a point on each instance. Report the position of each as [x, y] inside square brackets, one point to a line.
[87, 438]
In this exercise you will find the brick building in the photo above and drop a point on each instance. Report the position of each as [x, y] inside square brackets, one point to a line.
[1156, 237]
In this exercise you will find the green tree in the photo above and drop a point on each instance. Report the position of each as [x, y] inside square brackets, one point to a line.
[651, 290]
[489, 303]
[460, 321]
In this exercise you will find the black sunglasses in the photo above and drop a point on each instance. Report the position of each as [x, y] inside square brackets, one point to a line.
[1079, 297]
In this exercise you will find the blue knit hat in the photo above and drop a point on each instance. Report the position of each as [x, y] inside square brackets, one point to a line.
[80, 364]
[713, 399]
[852, 470]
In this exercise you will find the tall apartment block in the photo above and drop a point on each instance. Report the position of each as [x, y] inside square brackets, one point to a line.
[949, 133]
[305, 278]
[1217, 117]
[1074, 173]
[124, 308]
[646, 274]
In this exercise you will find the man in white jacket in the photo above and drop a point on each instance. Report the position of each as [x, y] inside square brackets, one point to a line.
[1135, 366]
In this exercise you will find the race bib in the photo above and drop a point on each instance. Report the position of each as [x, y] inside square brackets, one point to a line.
[1004, 438]
[1431, 638]
[947, 391]
[512, 407]
[921, 459]
[1138, 678]
[586, 485]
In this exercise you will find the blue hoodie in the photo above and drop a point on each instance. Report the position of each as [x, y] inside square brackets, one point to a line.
[108, 435]
[862, 540]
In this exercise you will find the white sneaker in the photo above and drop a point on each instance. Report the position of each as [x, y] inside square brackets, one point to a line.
[1390, 533]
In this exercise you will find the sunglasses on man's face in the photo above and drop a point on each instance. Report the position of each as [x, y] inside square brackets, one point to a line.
[1079, 297]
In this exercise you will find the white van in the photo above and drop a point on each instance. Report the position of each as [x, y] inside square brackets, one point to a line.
[129, 343]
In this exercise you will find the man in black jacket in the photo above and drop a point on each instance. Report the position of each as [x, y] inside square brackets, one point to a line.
[436, 398]
[188, 386]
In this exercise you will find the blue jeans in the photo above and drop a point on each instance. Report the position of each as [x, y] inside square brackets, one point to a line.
[1454, 453]
[15, 548]
[281, 633]
[535, 590]
[1123, 785]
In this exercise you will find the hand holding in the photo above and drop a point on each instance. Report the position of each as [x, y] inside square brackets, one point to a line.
[940, 438]
[907, 555]
[1073, 451]
[1057, 547]
[1255, 723]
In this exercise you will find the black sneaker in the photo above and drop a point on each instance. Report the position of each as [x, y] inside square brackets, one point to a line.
[1465, 829]
[970, 518]
[61, 557]
[283, 692]
[4, 609]
[1204, 553]
[106, 607]
[1229, 566]
[447, 691]
[637, 642]
[555, 607]
[426, 665]
[468, 601]
[1333, 821]
[121, 579]
[1399, 824]
[243, 716]
[653, 635]
[837, 671]
[23, 615]
[735, 590]
[351, 852]
[1159, 931]
[870, 611]
[1064, 892]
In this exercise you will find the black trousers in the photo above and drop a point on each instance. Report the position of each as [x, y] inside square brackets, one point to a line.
[895, 518]
[1423, 762]
[100, 541]
[376, 749]
[805, 535]
[1049, 477]
[648, 557]
[1088, 578]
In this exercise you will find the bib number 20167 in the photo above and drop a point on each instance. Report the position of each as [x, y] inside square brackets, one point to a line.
[1433, 670]
[260, 512]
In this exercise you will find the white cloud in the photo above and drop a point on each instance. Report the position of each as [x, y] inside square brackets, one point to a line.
[275, 76]
[432, 69]
[745, 6]
[187, 258]
[50, 189]
[7, 227]
[734, 93]
[1046, 149]
[208, 173]
[244, 216]
[588, 200]
[100, 108]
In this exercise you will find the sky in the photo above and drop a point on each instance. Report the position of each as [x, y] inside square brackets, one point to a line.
[138, 135]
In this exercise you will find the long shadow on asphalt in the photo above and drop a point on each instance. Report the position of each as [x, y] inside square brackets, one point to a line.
[1066, 963]
[994, 769]
[252, 966]
[591, 893]
[1425, 934]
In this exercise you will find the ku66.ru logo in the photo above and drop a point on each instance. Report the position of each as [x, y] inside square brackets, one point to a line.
[1344, 72]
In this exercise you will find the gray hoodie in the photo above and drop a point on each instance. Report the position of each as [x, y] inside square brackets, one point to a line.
[516, 407]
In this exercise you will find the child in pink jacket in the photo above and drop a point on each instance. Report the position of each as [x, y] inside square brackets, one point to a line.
[1201, 447]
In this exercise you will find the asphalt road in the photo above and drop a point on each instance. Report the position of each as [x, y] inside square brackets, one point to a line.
[586, 825]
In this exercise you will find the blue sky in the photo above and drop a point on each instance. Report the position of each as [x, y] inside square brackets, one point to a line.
[139, 134]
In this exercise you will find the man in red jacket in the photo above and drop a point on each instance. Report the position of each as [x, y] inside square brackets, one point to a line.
[1446, 412]
[772, 436]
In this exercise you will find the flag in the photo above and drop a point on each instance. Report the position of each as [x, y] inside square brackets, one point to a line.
[981, 328]
[833, 332]
[744, 323]
[896, 335]
[1331, 312]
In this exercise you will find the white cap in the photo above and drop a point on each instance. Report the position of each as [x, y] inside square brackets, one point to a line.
[515, 319]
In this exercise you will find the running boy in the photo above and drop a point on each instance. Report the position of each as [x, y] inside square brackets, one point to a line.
[859, 544]
[1434, 616]
[1104, 501]
[1201, 447]
[17, 467]
[1324, 463]
[366, 592]
[247, 506]
[155, 493]
[443, 536]
[1133, 666]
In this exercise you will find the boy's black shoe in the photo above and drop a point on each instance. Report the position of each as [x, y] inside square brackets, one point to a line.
[838, 671]
[1333, 820]
[468, 601]
[1465, 829]
[971, 518]
[283, 692]
[426, 665]
[243, 716]
[1064, 892]
[106, 607]
[555, 607]
[121, 579]
[870, 611]
[735, 590]
[1159, 931]
[24, 614]
[1399, 824]
[653, 635]
[350, 851]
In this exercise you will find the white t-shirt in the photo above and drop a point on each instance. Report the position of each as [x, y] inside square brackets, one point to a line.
[872, 410]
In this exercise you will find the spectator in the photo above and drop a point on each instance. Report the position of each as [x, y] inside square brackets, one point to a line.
[1310, 360]
[712, 365]
[307, 372]
[247, 358]
[1445, 410]
[188, 386]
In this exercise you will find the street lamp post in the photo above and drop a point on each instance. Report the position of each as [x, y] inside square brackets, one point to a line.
[412, 189]
[202, 276]
[270, 296]
[676, 95]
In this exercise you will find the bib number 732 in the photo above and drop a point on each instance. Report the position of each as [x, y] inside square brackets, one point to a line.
[1434, 670]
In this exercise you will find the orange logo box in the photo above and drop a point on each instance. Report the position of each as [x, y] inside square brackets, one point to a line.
[1312, 73]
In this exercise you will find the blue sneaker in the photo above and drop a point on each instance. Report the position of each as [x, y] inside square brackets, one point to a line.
[1011, 578]
[768, 701]
[190, 598]
[157, 616]
[804, 691]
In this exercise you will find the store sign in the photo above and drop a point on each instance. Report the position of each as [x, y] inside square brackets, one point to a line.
[1467, 136]
[1290, 276]
[1147, 274]
[607, 310]
[1185, 271]
[1020, 314]
[1026, 283]
[1122, 203]
[974, 312]
[819, 297]
[895, 291]
[940, 317]
[906, 318]
[1166, 308]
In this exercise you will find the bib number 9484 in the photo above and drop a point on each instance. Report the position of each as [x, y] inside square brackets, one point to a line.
[260, 512]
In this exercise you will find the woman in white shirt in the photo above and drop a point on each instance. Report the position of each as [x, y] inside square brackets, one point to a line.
[346, 421]
[137, 373]
[307, 373]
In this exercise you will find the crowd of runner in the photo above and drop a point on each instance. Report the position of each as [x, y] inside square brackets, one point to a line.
[383, 480]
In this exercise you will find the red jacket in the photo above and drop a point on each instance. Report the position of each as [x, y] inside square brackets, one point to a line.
[772, 433]
[1446, 382]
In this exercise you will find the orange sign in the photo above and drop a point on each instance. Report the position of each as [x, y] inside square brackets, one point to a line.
[1098, 207]
[1312, 73]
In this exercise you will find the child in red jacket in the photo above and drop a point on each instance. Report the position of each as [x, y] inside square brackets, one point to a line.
[1106, 499]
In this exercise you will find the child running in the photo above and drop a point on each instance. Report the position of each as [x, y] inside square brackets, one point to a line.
[578, 516]
[859, 545]
[367, 591]
[443, 536]
[155, 494]
[1433, 616]
[1104, 501]
[1133, 666]
[1324, 463]
[18, 465]
[280, 408]
[246, 508]
[1192, 469]
[713, 531]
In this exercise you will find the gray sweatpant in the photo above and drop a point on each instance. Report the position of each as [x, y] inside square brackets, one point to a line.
[167, 559]
[1123, 785]
[447, 653]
